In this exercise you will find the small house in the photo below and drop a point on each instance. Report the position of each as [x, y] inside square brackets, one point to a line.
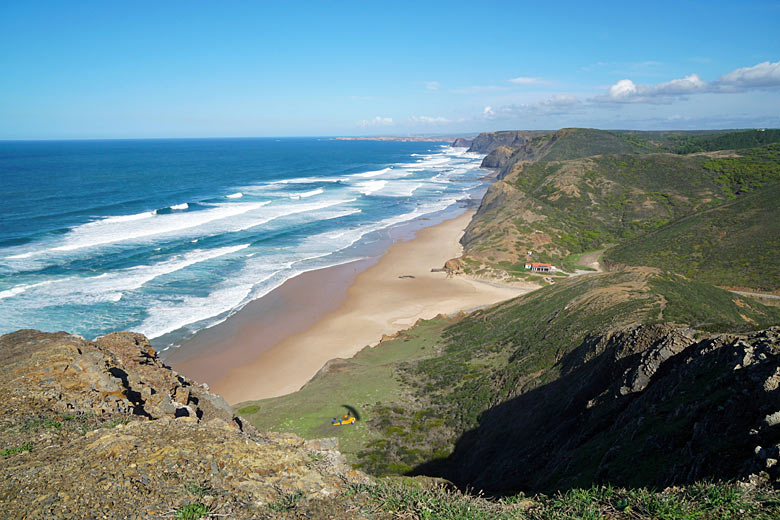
[539, 267]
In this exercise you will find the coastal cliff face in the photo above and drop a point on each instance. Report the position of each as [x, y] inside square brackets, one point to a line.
[632, 377]
[462, 142]
[486, 142]
[641, 406]
[577, 190]
[104, 429]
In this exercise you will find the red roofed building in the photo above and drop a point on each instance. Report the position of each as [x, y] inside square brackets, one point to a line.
[539, 267]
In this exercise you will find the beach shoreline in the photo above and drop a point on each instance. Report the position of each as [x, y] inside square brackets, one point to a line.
[279, 342]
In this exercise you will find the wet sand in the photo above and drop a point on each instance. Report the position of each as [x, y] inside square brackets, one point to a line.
[276, 344]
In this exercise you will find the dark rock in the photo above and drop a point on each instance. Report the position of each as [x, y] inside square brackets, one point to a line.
[649, 405]
[461, 142]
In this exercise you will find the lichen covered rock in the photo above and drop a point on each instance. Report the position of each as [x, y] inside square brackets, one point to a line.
[103, 429]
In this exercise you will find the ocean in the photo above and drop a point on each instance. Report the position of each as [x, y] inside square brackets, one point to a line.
[167, 237]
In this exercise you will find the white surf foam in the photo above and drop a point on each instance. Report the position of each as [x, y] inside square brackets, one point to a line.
[374, 173]
[165, 317]
[304, 180]
[236, 195]
[336, 241]
[401, 189]
[307, 194]
[129, 218]
[113, 230]
[19, 289]
[369, 187]
[108, 287]
[136, 277]
[275, 212]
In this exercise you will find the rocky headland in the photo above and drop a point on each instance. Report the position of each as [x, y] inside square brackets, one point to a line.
[103, 429]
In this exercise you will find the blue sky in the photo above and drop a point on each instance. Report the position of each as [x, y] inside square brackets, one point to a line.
[111, 69]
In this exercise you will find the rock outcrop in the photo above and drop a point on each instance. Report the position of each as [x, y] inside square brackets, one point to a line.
[461, 142]
[498, 158]
[103, 429]
[646, 405]
[486, 142]
[118, 374]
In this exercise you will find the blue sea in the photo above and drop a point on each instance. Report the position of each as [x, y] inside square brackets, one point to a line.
[167, 237]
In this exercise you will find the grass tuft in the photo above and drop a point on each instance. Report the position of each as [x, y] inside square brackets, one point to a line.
[27, 446]
[702, 501]
[192, 512]
[286, 502]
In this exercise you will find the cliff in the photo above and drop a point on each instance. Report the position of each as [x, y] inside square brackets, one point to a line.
[462, 142]
[104, 429]
[650, 205]
[532, 394]
[486, 142]
[640, 406]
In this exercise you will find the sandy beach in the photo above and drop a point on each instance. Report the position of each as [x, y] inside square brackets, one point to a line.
[266, 351]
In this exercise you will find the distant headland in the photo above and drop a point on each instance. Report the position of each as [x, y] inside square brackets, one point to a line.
[397, 138]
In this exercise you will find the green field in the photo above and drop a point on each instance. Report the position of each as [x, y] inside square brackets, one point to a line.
[360, 382]
[563, 208]
[735, 245]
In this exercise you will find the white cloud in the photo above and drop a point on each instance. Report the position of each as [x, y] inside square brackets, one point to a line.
[425, 120]
[559, 104]
[377, 121]
[560, 101]
[762, 76]
[526, 80]
[432, 85]
[626, 91]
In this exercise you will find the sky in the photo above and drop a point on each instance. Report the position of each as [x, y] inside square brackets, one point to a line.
[119, 69]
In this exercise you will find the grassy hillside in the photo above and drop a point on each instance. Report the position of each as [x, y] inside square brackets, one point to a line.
[730, 141]
[564, 144]
[736, 244]
[564, 387]
[573, 143]
[418, 393]
[360, 382]
[560, 208]
[407, 498]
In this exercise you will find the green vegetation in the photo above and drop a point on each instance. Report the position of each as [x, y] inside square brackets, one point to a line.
[709, 308]
[573, 143]
[27, 446]
[751, 170]
[418, 393]
[192, 512]
[286, 502]
[197, 489]
[425, 397]
[486, 361]
[360, 382]
[736, 244]
[574, 206]
[704, 501]
[69, 422]
[685, 144]
[43, 422]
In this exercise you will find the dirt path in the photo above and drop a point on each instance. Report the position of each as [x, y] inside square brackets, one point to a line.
[590, 260]
[757, 295]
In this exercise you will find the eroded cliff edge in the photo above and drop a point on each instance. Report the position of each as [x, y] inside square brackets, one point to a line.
[103, 429]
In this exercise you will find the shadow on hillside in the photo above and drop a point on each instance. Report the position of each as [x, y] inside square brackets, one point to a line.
[691, 423]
